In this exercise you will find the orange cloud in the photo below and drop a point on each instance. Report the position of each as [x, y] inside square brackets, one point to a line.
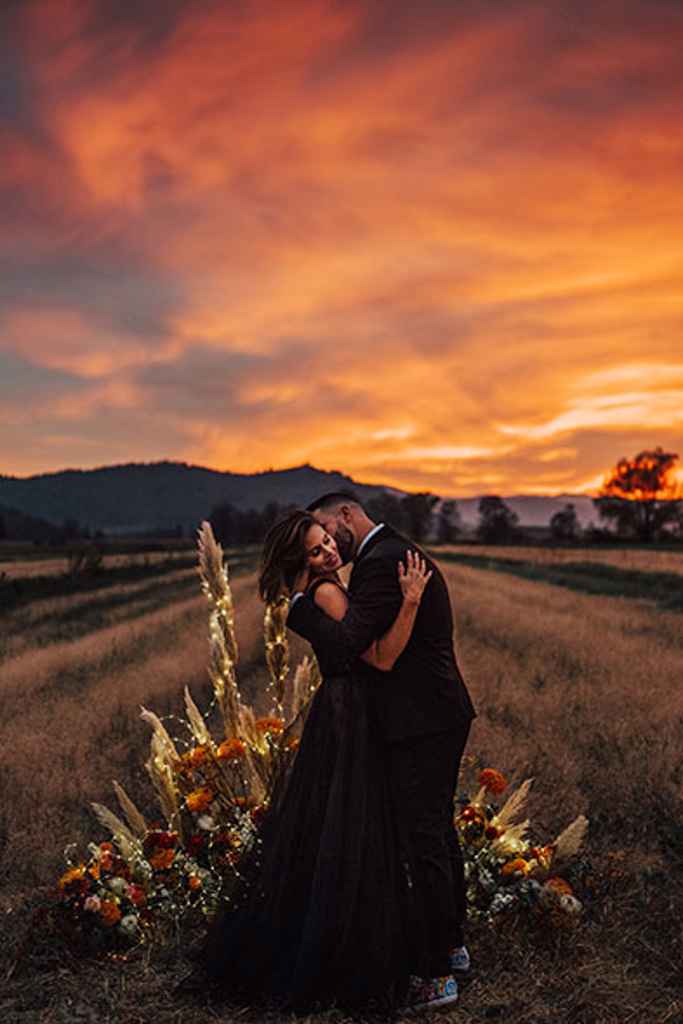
[435, 251]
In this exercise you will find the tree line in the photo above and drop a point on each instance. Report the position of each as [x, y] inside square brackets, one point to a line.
[640, 500]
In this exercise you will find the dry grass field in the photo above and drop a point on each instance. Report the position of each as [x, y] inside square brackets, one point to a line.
[582, 692]
[639, 559]
[27, 568]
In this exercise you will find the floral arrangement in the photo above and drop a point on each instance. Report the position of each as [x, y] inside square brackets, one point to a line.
[504, 871]
[213, 792]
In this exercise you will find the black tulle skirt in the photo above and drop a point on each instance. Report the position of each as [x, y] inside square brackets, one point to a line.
[323, 914]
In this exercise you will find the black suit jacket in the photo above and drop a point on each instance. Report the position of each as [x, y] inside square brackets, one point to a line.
[424, 692]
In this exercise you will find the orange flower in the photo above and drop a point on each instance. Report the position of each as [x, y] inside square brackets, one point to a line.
[492, 780]
[543, 854]
[197, 756]
[559, 886]
[162, 859]
[270, 726]
[108, 847]
[199, 799]
[109, 912]
[72, 875]
[231, 750]
[194, 882]
[94, 870]
[513, 866]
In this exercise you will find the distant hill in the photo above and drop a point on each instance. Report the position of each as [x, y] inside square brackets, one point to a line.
[143, 497]
[17, 525]
[139, 497]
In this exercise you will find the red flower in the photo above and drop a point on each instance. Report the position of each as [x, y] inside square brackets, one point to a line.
[137, 895]
[159, 840]
[194, 844]
[493, 780]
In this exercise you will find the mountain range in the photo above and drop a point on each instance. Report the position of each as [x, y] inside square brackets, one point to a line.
[141, 497]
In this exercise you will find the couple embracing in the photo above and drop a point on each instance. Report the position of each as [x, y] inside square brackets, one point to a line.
[353, 894]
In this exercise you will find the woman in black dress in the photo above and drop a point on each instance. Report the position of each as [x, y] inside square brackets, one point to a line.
[323, 915]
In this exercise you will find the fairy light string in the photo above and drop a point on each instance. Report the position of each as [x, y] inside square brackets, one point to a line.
[211, 792]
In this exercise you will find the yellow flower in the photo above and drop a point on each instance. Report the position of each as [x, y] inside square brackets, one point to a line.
[199, 799]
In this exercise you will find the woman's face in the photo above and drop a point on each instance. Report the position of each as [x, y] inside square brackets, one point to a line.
[322, 556]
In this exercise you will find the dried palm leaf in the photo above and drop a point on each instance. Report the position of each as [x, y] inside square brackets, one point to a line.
[169, 747]
[197, 723]
[135, 819]
[570, 839]
[514, 804]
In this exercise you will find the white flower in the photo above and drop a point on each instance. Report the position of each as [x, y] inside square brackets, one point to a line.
[206, 822]
[118, 885]
[502, 901]
[571, 905]
[129, 924]
[92, 903]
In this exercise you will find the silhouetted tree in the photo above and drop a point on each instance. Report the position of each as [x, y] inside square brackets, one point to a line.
[387, 508]
[417, 509]
[640, 496]
[233, 527]
[448, 524]
[497, 522]
[564, 524]
[270, 514]
[225, 523]
[3, 529]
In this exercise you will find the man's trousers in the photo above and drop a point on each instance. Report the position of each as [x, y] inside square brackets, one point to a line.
[424, 776]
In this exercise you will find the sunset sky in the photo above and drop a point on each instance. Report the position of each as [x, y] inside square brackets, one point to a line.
[436, 245]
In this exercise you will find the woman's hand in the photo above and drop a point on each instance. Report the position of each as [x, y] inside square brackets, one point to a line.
[413, 577]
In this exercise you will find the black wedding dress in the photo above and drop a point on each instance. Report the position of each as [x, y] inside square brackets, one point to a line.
[323, 915]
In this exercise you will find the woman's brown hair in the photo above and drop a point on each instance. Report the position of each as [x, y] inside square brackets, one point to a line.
[284, 554]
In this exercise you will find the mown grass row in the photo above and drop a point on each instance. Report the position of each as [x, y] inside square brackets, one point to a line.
[664, 588]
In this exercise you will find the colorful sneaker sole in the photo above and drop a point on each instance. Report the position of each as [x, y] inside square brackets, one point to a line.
[439, 993]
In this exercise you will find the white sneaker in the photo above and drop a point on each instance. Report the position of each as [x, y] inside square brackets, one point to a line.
[434, 992]
[460, 959]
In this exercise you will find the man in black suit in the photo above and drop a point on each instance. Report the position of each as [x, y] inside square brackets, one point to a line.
[422, 705]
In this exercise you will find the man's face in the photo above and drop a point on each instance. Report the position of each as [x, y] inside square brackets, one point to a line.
[332, 520]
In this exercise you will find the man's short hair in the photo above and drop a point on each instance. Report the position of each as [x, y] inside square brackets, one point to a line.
[332, 499]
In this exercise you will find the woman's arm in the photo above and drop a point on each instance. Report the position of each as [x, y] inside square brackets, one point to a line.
[384, 652]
